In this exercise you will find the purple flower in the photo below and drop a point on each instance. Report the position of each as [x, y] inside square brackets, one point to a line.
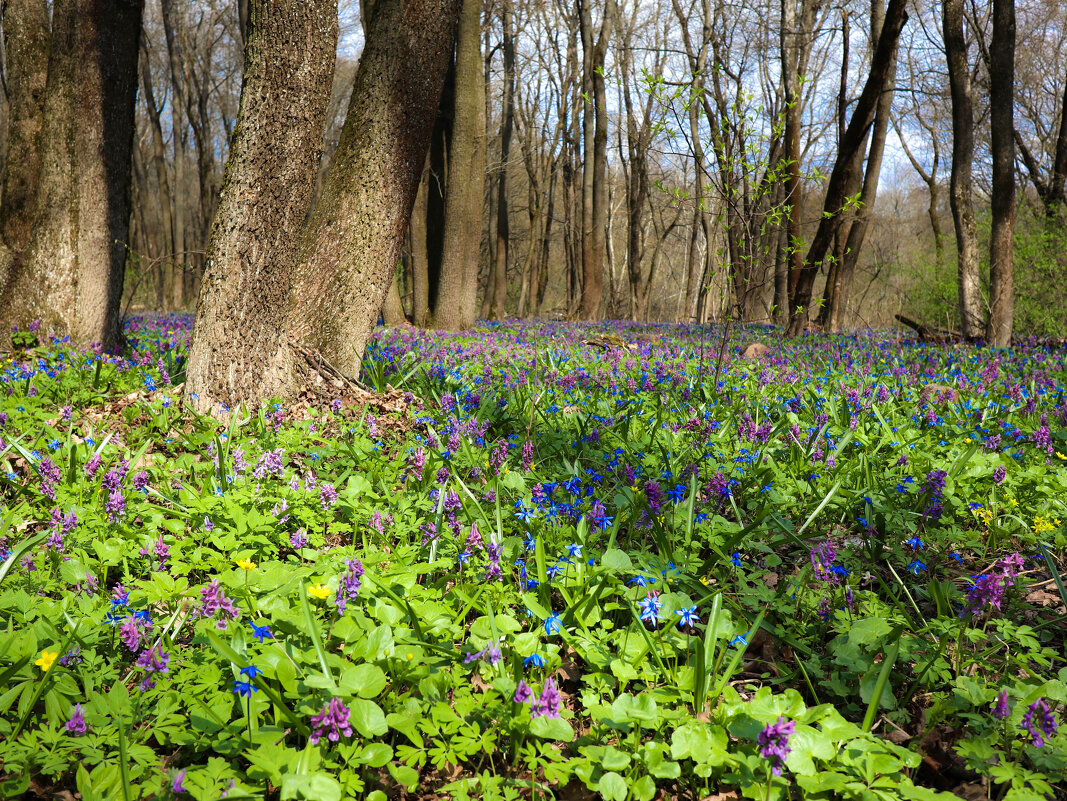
[115, 505]
[130, 633]
[50, 474]
[523, 693]
[327, 496]
[154, 660]
[1045, 725]
[92, 465]
[822, 558]
[549, 704]
[213, 600]
[1000, 709]
[774, 743]
[298, 539]
[176, 785]
[332, 721]
[76, 726]
[270, 463]
[999, 474]
[140, 480]
[348, 588]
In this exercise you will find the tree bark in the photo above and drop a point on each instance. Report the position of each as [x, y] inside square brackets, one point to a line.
[961, 192]
[266, 194]
[594, 156]
[857, 231]
[26, 36]
[71, 278]
[1002, 149]
[846, 164]
[457, 295]
[354, 238]
[176, 60]
[500, 264]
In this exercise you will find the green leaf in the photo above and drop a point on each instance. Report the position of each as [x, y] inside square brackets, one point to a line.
[368, 718]
[363, 680]
[552, 729]
[611, 786]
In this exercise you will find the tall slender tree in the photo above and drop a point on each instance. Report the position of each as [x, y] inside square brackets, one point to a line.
[1002, 149]
[961, 192]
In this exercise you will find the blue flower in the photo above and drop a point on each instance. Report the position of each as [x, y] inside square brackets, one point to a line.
[735, 559]
[738, 641]
[530, 542]
[687, 616]
[915, 543]
[641, 581]
[552, 624]
[534, 660]
[251, 671]
[245, 688]
[464, 557]
[574, 550]
[677, 494]
[260, 632]
[916, 567]
[650, 609]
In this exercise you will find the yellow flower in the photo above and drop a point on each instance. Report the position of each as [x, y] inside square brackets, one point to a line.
[245, 564]
[47, 659]
[318, 591]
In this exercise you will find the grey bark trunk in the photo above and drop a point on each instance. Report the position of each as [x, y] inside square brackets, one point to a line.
[500, 264]
[1002, 125]
[961, 192]
[457, 295]
[264, 201]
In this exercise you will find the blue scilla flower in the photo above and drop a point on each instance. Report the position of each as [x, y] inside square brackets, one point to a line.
[916, 567]
[915, 543]
[650, 609]
[735, 559]
[641, 581]
[738, 641]
[552, 624]
[260, 632]
[534, 660]
[574, 550]
[687, 616]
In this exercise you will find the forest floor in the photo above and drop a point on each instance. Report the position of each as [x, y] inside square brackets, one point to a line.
[539, 560]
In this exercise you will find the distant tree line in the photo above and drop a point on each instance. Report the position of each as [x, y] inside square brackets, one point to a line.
[681, 159]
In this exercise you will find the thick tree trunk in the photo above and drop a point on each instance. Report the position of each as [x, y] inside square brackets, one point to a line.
[594, 155]
[500, 263]
[961, 191]
[159, 165]
[1002, 148]
[71, 278]
[420, 276]
[176, 59]
[791, 136]
[393, 307]
[457, 294]
[266, 194]
[354, 238]
[843, 171]
[26, 38]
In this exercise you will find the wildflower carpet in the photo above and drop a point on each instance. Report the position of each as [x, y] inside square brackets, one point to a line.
[613, 562]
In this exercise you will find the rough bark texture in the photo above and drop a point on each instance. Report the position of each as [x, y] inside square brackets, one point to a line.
[266, 194]
[26, 38]
[393, 307]
[844, 166]
[791, 136]
[108, 37]
[354, 238]
[71, 277]
[961, 191]
[500, 265]
[457, 294]
[1002, 126]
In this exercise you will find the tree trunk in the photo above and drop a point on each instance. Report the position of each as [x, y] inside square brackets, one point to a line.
[457, 294]
[393, 308]
[845, 165]
[178, 135]
[72, 276]
[500, 264]
[354, 239]
[857, 232]
[26, 37]
[791, 136]
[594, 155]
[266, 194]
[961, 191]
[159, 165]
[420, 277]
[1002, 150]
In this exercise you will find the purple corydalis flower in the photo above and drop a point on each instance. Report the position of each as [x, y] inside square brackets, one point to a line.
[999, 474]
[348, 588]
[213, 600]
[154, 660]
[92, 465]
[130, 633]
[332, 722]
[550, 703]
[774, 743]
[115, 505]
[1039, 722]
[523, 693]
[1000, 709]
[77, 726]
[176, 785]
[298, 539]
[327, 496]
